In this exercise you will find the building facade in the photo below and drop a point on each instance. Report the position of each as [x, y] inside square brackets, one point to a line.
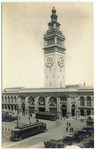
[56, 97]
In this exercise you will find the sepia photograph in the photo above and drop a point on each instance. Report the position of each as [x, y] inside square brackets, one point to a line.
[47, 74]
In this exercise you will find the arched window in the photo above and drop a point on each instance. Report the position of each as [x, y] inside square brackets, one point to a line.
[8, 99]
[2, 99]
[5, 99]
[31, 100]
[8, 107]
[15, 107]
[11, 107]
[41, 101]
[82, 102]
[15, 98]
[5, 106]
[11, 99]
[88, 101]
[53, 101]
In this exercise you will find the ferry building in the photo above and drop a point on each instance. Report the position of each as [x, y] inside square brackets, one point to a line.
[56, 97]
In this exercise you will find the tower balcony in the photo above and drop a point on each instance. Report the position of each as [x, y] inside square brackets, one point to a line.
[52, 33]
[55, 46]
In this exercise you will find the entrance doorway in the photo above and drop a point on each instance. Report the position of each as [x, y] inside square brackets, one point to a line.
[73, 110]
[64, 110]
[82, 112]
[88, 112]
[42, 109]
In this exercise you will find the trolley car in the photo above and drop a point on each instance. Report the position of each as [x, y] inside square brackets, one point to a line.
[46, 116]
[27, 131]
[7, 117]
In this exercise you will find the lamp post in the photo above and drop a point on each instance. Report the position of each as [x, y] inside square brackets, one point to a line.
[17, 116]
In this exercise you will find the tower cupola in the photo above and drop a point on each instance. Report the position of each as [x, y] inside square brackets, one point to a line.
[54, 16]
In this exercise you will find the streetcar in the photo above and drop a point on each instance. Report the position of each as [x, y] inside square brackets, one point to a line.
[6, 117]
[46, 116]
[25, 131]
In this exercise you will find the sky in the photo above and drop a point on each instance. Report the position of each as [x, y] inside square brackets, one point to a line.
[23, 29]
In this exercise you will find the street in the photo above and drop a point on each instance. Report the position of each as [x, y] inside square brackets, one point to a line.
[55, 130]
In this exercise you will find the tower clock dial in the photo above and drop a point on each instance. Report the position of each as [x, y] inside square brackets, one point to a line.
[61, 61]
[49, 61]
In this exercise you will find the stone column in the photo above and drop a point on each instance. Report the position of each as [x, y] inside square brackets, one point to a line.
[85, 111]
[19, 104]
[47, 104]
[26, 105]
[58, 107]
[55, 40]
[85, 100]
[69, 106]
[92, 101]
[36, 104]
[77, 105]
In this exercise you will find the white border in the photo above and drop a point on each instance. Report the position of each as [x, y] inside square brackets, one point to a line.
[84, 1]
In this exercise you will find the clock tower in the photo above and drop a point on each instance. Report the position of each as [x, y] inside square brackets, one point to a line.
[54, 51]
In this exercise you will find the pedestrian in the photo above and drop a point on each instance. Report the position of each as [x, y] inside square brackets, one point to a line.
[29, 118]
[37, 120]
[70, 129]
[30, 122]
[66, 129]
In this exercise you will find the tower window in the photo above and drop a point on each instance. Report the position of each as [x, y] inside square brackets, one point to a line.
[58, 76]
[50, 41]
[50, 83]
[59, 42]
[53, 76]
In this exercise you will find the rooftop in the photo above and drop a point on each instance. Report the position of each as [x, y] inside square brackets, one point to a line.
[68, 88]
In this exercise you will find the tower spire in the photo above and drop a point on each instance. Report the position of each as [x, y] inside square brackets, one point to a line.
[54, 16]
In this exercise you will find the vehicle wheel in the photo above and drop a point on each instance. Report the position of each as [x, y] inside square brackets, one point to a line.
[20, 138]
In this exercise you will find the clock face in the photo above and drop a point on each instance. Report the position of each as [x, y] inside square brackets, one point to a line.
[61, 61]
[49, 61]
